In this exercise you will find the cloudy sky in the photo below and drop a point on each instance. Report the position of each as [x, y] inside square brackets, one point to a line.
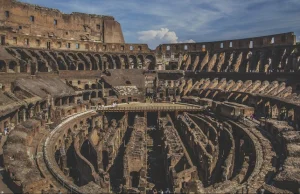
[170, 21]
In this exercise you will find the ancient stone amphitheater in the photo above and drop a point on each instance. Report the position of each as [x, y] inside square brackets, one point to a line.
[81, 111]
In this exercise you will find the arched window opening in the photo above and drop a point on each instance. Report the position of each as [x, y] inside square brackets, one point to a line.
[80, 66]
[13, 66]
[2, 66]
[93, 94]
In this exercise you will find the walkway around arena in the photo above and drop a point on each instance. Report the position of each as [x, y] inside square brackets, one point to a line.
[140, 107]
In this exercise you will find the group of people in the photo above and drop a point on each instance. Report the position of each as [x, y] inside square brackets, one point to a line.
[114, 104]
[6, 131]
[149, 99]
[161, 191]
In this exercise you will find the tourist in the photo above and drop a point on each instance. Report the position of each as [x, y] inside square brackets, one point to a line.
[167, 191]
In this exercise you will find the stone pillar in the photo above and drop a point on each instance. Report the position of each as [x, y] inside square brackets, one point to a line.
[18, 69]
[48, 114]
[15, 118]
[105, 122]
[28, 67]
[24, 115]
[31, 112]
[145, 115]
[103, 90]
[158, 116]
[38, 108]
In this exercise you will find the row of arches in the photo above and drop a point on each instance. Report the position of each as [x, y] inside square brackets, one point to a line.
[98, 62]
[265, 60]
[11, 67]
[46, 61]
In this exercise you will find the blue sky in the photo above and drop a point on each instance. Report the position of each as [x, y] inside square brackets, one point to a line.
[171, 21]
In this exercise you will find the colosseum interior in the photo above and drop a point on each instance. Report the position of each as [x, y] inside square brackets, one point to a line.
[81, 111]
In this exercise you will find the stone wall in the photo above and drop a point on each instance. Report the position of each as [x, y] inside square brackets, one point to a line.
[269, 40]
[27, 19]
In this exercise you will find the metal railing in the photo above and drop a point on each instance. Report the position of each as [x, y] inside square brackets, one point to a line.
[147, 108]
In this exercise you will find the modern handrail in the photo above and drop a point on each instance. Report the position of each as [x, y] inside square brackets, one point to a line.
[185, 107]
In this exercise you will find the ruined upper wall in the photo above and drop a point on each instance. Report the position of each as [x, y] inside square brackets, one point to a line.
[255, 42]
[27, 19]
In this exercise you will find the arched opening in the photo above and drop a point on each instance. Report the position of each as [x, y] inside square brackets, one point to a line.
[13, 67]
[42, 66]
[135, 179]
[107, 62]
[150, 62]
[73, 56]
[111, 93]
[132, 62]
[72, 99]
[69, 132]
[99, 94]
[57, 102]
[80, 66]
[94, 86]
[93, 94]
[72, 66]
[33, 68]
[23, 66]
[86, 86]
[71, 162]
[118, 62]
[89, 153]
[105, 160]
[86, 96]
[99, 61]
[2, 66]
[93, 61]
[57, 156]
[61, 64]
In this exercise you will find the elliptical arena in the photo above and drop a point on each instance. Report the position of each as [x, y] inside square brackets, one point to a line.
[81, 111]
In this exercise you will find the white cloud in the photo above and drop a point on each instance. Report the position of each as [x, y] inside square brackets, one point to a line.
[201, 20]
[187, 41]
[164, 35]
